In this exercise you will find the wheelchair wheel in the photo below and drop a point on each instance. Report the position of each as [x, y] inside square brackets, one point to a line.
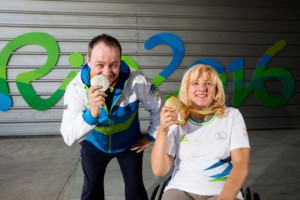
[248, 194]
[256, 196]
[154, 193]
[159, 189]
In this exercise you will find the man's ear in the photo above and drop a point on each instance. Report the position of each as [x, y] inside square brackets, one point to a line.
[87, 58]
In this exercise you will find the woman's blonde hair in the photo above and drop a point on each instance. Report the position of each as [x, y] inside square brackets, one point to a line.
[218, 103]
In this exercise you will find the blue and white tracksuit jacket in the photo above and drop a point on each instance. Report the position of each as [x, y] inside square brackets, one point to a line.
[117, 129]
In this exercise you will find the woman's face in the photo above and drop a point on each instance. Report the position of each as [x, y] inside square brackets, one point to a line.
[201, 92]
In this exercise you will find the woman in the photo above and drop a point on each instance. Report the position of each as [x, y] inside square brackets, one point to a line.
[210, 151]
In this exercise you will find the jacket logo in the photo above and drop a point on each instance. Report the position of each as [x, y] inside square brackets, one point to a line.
[221, 136]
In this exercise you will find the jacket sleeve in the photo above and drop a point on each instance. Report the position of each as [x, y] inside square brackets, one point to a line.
[153, 101]
[77, 122]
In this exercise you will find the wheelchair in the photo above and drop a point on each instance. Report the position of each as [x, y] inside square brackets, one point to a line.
[159, 190]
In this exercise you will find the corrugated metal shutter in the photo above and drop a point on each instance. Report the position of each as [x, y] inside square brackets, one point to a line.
[220, 30]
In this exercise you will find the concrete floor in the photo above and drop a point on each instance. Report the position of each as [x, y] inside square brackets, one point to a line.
[35, 168]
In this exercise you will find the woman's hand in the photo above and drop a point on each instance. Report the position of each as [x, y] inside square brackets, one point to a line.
[168, 117]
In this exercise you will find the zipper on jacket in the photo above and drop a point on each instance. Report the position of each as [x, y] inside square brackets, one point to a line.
[109, 113]
[109, 136]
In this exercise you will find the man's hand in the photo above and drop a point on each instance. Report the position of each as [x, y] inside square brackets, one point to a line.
[96, 98]
[141, 144]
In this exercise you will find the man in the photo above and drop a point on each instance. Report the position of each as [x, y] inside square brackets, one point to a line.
[106, 123]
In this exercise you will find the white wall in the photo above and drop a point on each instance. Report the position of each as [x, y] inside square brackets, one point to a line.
[221, 30]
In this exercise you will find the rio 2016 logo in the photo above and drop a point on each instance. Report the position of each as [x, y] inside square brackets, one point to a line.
[240, 92]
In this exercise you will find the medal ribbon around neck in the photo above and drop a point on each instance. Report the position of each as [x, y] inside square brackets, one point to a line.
[202, 112]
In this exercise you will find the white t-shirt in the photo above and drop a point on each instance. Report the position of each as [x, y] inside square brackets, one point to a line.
[202, 152]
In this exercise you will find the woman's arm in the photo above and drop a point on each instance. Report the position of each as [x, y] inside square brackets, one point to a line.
[236, 178]
[161, 161]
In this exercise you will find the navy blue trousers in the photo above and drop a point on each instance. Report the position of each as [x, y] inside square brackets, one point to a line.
[94, 163]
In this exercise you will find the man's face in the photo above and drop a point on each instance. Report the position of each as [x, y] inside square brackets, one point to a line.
[105, 60]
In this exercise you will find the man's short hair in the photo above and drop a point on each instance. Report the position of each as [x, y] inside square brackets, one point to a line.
[107, 40]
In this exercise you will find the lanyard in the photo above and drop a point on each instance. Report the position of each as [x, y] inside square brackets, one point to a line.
[202, 112]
